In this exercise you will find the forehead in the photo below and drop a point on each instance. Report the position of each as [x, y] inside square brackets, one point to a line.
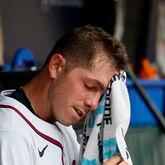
[103, 66]
[100, 74]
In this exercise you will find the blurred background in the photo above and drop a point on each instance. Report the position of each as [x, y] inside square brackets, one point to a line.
[29, 30]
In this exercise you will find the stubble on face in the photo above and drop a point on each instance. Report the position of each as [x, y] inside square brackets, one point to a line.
[71, 91]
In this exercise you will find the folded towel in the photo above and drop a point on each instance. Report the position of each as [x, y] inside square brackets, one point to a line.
[105, 128]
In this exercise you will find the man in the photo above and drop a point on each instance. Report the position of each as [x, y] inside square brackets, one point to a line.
[36, 119]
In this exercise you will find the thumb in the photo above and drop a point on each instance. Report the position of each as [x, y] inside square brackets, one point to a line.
[114, 160]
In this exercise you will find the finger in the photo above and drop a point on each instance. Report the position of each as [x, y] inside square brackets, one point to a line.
[114, 160]
[123, 163]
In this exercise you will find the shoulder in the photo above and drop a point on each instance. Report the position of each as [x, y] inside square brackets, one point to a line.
[11, 117]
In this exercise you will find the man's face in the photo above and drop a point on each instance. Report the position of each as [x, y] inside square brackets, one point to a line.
[76, 93]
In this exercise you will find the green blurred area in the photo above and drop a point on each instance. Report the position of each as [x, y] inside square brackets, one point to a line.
[146, 145]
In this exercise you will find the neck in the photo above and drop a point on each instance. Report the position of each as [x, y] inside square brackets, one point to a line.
[37, 93]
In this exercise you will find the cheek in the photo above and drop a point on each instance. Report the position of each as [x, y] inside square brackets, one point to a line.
[67, 93]
[78, 91]
[56, 95]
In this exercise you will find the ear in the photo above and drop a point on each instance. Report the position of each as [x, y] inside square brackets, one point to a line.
[56, 65]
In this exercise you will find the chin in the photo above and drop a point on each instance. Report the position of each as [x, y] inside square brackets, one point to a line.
[68, 121]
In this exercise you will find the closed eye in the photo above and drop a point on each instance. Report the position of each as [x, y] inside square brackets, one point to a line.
[90, 87]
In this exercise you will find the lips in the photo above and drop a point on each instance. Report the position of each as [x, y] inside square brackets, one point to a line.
[80, 112]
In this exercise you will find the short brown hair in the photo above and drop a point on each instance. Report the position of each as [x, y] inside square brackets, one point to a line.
[81, 45]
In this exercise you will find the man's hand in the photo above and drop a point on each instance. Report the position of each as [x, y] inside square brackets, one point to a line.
[115, 160]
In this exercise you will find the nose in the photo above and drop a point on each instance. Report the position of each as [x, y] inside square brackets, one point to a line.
[92, 102]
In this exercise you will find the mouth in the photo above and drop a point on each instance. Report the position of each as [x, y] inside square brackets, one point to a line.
[80, 112]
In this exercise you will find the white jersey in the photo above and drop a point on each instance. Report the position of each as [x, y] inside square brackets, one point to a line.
[25, 139]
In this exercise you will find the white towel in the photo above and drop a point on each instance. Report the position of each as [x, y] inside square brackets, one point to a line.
[105, 128]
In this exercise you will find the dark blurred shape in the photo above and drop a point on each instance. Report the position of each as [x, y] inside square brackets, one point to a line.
[12, 80]
[137, 30]
[101, 13]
